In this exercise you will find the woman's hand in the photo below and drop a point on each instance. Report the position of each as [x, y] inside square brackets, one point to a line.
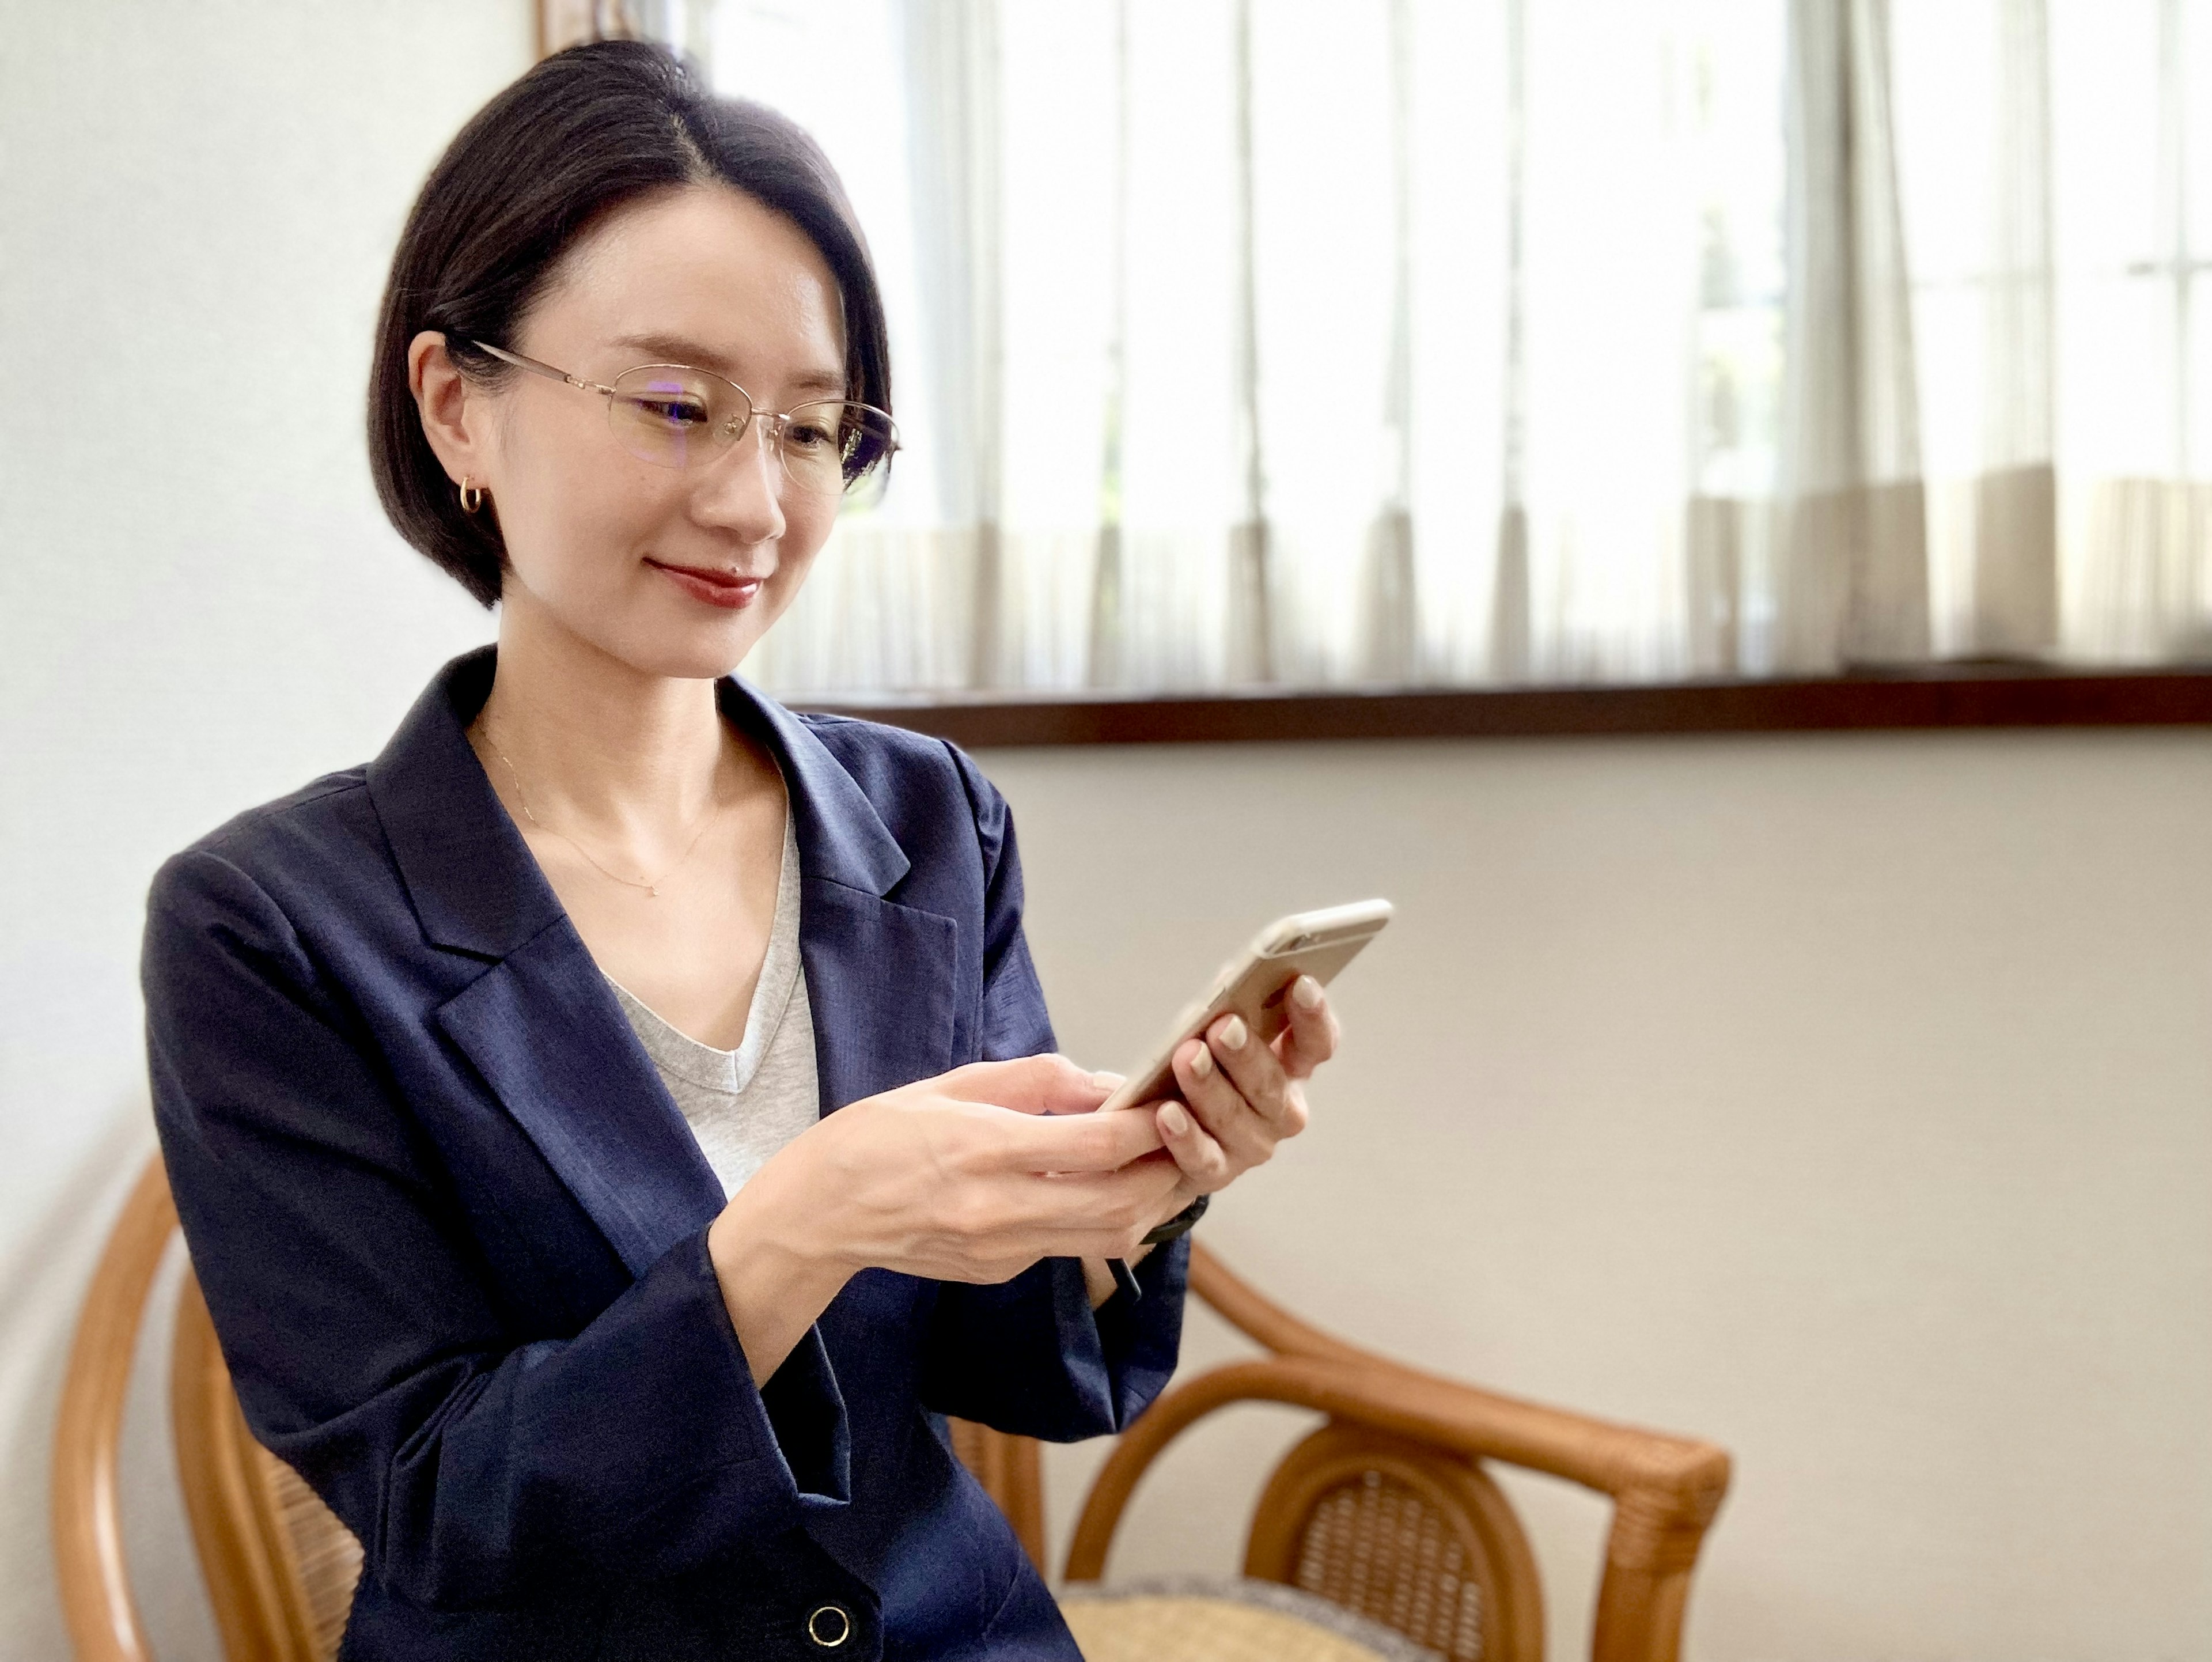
[1244, 1098]
[972, 1176]
[975, 1175]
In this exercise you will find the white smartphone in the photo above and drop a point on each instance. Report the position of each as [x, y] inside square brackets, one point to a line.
[1256, 983]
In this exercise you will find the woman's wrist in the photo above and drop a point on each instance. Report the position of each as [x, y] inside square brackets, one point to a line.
[776, 1273]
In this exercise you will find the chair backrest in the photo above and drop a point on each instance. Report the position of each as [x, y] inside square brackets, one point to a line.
[1419, 1541]
[280, 1567]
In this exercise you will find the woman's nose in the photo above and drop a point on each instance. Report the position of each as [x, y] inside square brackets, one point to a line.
[742, 490]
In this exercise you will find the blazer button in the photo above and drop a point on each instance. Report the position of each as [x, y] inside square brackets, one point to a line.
[829, 1627]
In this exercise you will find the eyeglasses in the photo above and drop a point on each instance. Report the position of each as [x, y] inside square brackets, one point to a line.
[674, 416]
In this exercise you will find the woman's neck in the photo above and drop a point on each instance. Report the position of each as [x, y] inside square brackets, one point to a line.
[591, 743]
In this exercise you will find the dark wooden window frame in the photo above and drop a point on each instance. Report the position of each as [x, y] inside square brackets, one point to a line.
[1946, 696]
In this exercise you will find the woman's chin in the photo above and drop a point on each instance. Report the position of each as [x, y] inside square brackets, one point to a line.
[655, 628]
[679, 649]
[705, 655]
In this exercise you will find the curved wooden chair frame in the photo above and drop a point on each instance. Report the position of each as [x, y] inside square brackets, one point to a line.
[1431, 1434]
[87, 1513]
[280, 1568]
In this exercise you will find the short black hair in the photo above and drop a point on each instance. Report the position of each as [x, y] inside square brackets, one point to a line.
[584, 132]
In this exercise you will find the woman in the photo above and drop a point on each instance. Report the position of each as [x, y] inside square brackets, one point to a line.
[494, 1079]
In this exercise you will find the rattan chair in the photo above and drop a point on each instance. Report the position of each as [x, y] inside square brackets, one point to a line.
[280, 1567]
[1386, 1510]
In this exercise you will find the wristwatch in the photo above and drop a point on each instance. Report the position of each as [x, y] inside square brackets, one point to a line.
[1179, 1224]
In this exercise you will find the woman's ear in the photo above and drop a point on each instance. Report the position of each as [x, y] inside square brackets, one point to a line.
[453, 408]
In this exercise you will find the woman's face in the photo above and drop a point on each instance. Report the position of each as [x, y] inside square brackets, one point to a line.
[674, 572]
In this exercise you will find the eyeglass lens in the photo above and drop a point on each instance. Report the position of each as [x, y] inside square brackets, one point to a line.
[675, 417]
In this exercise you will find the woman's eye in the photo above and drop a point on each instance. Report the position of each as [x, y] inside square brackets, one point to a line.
[809, 435]
[673, 413]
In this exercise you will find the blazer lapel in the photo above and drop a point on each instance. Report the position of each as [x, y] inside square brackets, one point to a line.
[880, 977]
[879, 974]
[540, 1025]
[545, 1032]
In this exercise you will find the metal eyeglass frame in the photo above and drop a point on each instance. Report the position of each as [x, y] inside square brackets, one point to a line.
[778, 421]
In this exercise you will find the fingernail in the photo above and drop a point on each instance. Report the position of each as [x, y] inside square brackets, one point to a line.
[1107, 1081]
[1202, 1063]
[1307, 992]
[1173, 1120]
[1234, 1034]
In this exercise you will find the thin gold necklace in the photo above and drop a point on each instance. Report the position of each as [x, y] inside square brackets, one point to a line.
[651, 885]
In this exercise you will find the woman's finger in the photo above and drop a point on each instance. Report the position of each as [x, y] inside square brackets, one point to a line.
[1243, 1133]
[1075, 1142]
[1047, 1084]
[1205, 1165]
[1093, 1213]
[1258, 1074]
[1311, 1038]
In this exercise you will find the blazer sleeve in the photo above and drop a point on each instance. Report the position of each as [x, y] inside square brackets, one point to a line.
[362, 1333]
[1030, 1356]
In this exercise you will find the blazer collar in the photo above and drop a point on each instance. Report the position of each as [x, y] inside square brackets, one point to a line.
[840, 836]
[475, 886]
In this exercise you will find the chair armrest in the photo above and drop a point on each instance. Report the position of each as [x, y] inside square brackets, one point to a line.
[1673, 1480]
[1596, 1453]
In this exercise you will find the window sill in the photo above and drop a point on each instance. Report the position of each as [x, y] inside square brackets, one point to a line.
[1942, 697]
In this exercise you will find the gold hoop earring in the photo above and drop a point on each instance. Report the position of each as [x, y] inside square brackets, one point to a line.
[472, 495]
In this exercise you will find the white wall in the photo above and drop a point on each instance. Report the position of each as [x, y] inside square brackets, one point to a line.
[201, 606]
[1842, 1100]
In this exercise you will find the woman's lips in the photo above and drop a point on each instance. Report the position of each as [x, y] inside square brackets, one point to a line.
[718, 589]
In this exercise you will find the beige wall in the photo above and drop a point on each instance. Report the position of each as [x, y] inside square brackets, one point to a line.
[1844, 1100]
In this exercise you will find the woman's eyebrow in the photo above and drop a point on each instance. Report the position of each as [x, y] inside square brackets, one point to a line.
[679, 349]
[676, 348]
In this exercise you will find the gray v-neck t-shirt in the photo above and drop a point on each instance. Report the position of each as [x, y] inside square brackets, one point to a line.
[744, 1104]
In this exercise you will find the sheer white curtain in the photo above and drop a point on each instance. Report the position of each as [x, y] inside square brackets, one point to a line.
[2058, 188]
[1391, 341]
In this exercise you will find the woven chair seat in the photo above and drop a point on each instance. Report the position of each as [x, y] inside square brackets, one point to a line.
[1224, 1621]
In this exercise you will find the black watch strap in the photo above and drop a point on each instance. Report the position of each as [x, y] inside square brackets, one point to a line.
[1179, 1224]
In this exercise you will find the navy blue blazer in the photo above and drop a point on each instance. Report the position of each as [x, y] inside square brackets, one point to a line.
[452, 1229]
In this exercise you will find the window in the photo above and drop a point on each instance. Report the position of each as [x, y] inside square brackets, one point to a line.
[1388, 343]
